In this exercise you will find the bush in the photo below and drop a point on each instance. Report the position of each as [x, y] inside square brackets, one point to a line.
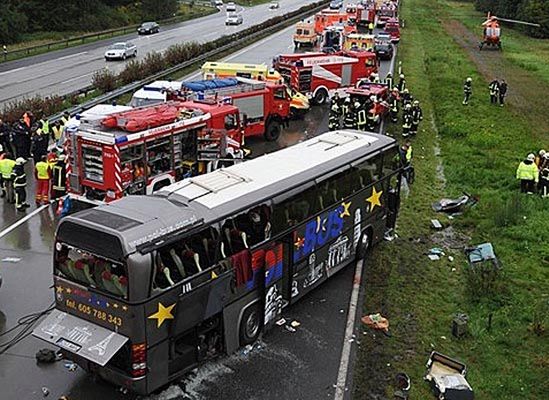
[154, 62]
[133, 71]
[104, 80]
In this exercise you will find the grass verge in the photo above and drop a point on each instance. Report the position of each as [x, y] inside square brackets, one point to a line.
[480, 146]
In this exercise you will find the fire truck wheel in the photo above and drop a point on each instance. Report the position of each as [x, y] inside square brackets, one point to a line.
[250, 325]
[272, 132]
[321, 96]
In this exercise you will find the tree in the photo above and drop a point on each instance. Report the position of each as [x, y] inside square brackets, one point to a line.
[158, 9]
[12, 25]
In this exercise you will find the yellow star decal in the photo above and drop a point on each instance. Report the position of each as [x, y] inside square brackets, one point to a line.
[345, 212]
[59, 289]
[162, 314]
[374, 198]
[68, 290]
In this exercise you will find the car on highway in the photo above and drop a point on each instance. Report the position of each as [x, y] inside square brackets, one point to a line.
[384, 51]
[121, 51]
[336, 4]
[383, 37]
[273, 5]
[148, 28]
[233, 19]
[218, 3]
[231, 7]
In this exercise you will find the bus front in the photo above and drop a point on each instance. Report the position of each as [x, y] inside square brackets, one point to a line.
[96, 321]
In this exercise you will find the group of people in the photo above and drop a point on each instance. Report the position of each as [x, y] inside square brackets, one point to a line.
[496, 88]
[28, 139]
[533, 173]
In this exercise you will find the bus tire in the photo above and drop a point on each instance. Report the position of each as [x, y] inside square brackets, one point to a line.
[272, 131]
[321, 96]
[363, 245]
[250, 325]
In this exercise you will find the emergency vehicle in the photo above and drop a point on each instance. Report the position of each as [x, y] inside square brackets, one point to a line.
[305, 35]
[260, 72]
[374, 93]
[361, 15]
[318, 74]
[359, 41]
[114, 150]
[327, 17]
[392, 27]
[386, 10]
[153, 93]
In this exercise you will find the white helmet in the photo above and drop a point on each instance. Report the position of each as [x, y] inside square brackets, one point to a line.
[408, 106]
[416, 102]
[531, 157]
[542, 153]
[469, 79]
[401, 76]
[20, 161]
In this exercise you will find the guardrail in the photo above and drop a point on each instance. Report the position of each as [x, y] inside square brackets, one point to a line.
[288, 20]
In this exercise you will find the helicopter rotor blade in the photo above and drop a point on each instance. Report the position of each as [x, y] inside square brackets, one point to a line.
[519, 22]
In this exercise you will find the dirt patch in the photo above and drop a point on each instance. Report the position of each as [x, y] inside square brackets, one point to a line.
[449, 238]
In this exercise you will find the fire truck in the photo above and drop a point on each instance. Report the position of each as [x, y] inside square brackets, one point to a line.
[392, 27]
[318, 74]
[386, 10]
[373, 93]
[361, 15]
[113, 150]
[326, 18]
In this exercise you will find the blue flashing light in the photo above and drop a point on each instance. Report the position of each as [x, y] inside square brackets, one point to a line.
[121, 139]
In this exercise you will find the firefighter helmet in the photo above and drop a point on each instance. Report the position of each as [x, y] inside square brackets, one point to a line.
[531, 157]
[542, 153]
[401, 76]
[408, 106]
[469, 79]
[406, 91]
[20, 161]
[416, 102]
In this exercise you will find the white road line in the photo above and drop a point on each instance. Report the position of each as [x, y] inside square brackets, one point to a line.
[12, 70]
[71, 55]
[22, 220]
[78, 77]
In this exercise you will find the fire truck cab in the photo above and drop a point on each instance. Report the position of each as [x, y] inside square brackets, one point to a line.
[385, 11]
[116, 152]
[373, 93]
[328, 17]
[319, 74]
[392, 27]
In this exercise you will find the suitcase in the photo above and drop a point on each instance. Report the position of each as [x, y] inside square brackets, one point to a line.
[447, 378]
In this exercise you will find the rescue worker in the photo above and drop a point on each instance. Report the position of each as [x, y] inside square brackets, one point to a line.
[542, 162]
[527, 172]
[346, 107]
[372, 77]
[5, 140]
[333, 119]
[544, 176]
[417, 117]
[59, 178]
[57, 130]
[406, 98]
[376, 78]
[39, 144]
[371, 28]
[6, 169]
[336, 100]
[502, 92]
[388, 80]
[407, 120]
[371, 120]
[65, 118]
[42, 173]
[467, 90]
[44, 125]
[350, 119]
[393, 105]
[540, 158]
[401, 83]
[406, 154]
[20, 184]
[494, 91]
[361, 116]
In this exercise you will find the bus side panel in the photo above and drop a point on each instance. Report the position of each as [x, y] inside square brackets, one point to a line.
[232, 315]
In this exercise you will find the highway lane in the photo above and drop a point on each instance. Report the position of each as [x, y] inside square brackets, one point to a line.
[64, 71]
[283, 357]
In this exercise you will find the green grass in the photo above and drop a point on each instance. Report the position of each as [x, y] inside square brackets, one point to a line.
[480, 148]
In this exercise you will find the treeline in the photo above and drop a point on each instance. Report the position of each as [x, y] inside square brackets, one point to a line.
[536, 11]
[18, 17]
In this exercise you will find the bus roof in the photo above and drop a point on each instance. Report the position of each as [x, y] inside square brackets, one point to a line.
[207, 198]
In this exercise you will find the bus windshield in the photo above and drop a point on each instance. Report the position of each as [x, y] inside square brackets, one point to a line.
[88, 269]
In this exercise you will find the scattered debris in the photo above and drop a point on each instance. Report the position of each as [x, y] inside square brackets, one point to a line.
[46, 356]
[71, 366]
[376, 321]
[447, 378]
[451, 259]
[290, 328]
[459, 325]
[435, 223]
[295, 324]
[281, 321]
[403, 384]
[437, 250]
[433, 257]
[45, 391]
[390, 235]
[455, 206]
[449, 238]
[11, 259]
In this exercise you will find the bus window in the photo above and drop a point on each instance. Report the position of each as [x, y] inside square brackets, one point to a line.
[255, 224]
[334, 189]
[89, 270]
[368, 171]
[296, 209]
[391, 161]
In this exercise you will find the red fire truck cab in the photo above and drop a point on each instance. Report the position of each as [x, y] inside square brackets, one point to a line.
[374, 93]
[360, 15]
[138, 151]
[392, 27]
[319, 74]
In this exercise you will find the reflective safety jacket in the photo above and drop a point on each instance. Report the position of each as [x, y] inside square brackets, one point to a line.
[467, 88]
[350, 121]
[389, 82]
[417, 114]
[401, 85]
[407, 121]
[6, 168]
[527, 170]
[19, 177]
[59, 176]
[361, 118]
[494, 88]
[42, 170]
[409, 154]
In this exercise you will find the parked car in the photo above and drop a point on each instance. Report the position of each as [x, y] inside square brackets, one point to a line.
[148, 27]
[218, 3]
[336, 4]
[121, 50]
[231, 7]
[383, 37]
[384, 51]
[233, 19]
[273, 5]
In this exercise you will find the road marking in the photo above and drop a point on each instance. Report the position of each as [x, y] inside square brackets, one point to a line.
[78, 77]
[346, 351]
[71, 56]
[22, 220]
[12, 70]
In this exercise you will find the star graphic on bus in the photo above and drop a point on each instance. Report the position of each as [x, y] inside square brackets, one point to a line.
[162, 314]
[299, 242]
[346, 212]
[374, 199]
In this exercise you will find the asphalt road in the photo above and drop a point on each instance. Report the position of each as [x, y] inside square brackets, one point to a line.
[299, 365]
[63, 71]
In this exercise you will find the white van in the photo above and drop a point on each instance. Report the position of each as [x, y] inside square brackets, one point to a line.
[153, 93]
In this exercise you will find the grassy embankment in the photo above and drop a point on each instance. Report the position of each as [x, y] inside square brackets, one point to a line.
[480, 149]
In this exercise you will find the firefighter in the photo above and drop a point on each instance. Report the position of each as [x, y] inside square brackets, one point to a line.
[346, 107]
[544, 176]
[407, 120]
[502, 92]
[59, 173]
[389, 80]
[350, 119]
[42, 173]
[6, 169]
[371, 28]
[494, 91]
[467, 90]
[401, 83]
[406, 98]
[406, 154]
[336, 100]
[417, 117]
[20, 184]
[372, 77]
[362, 119]
[333, 119]
[39, 144]
[57, 130]
[393, 105]
[527, 172]
[371, 120]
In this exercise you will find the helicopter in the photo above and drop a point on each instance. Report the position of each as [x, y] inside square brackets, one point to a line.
[492, 31]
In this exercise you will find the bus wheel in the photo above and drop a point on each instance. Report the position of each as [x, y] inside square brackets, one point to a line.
[363, 246]
[250, 325]
[272, 131]
[321, 96]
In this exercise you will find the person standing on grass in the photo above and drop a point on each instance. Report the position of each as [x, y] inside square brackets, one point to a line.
[528, 174]
[502, 92]
[467, 90]
[494, 91]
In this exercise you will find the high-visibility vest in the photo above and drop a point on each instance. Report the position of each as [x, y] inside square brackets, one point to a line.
[42, 170]
[527, 171]
[409, 154]
[6, 168]
[57, 132]
[361, 118]
[45, 126]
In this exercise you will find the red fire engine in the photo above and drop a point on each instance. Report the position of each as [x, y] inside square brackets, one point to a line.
[361, 15]
[392, 27]
[376, 94]
[318, 74]
[264, 106]
[386, 11]
[326, 18]
[138, 151]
